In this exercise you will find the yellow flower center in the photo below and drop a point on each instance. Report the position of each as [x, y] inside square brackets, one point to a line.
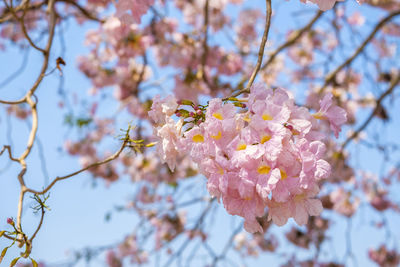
[241, 147]
[198, 138]
[283, 175]
[247, 118]
[218, 115]
[218, 136]
[267, 117]
[265, 138]
[264, 169]
[300, 197]
[319, 116]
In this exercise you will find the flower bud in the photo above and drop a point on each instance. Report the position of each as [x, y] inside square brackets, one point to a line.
[288, 126]
[10, 221]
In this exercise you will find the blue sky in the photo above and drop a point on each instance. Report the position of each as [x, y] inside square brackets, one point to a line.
[78, 205]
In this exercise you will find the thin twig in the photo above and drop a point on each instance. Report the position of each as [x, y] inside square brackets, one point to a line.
[378, 104]
[331, 76]
[60, 178]
[39, 226]
[262, 46]
[260, 52]
[8, 148]
[293, 38]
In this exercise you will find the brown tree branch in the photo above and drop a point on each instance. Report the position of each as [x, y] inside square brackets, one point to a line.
[378, 104]
[293, 39]
[40, 224]
[24, 7]
[331, 76]
[60, 178]
[260, 52]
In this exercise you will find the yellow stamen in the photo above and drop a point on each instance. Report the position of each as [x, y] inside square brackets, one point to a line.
[218, 136]
[247, 118]
[264, 169]
[241, 147]
[265, 138]
[218, 116]
[198, 138]
[267, 117]
[336, 93]
[299, 197]
[319, 116]
[283, 175]
[247, 198]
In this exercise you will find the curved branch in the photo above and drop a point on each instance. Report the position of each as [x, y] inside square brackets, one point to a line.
[393, 84]
[260, 52]
[331, 76]
[60, 178]
[85, 12]
[22, 23]
[39, 226]
[262, 46]
[293, 39]
[8, 148]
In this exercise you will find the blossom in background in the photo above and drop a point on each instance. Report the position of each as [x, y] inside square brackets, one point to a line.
[334, 114]
[137, 8]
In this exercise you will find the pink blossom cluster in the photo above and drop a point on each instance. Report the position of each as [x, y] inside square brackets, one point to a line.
[128, 248]
[384, 257]
[116, 63]
[137, 8]
[266, 155]
[168, 227]
[193, 12]
[255, 244]
[328, 4]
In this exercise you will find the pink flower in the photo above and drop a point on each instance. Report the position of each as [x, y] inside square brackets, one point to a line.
[246, 204]
[160, 109]
[169, 142]
[137, 8]
[343, 203]
[335, 115]
[324, 4]
[112, 259]
[302, 206]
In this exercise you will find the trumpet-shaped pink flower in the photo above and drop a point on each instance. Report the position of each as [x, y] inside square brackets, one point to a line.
[169, 140]
[335, 115]
[162, 108]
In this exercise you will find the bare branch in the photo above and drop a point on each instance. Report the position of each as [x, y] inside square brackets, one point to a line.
[378, 104]
[260, 51]
[8, 148]
[60, 178]
[331, 76]
[293, 39]
[40, 224]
